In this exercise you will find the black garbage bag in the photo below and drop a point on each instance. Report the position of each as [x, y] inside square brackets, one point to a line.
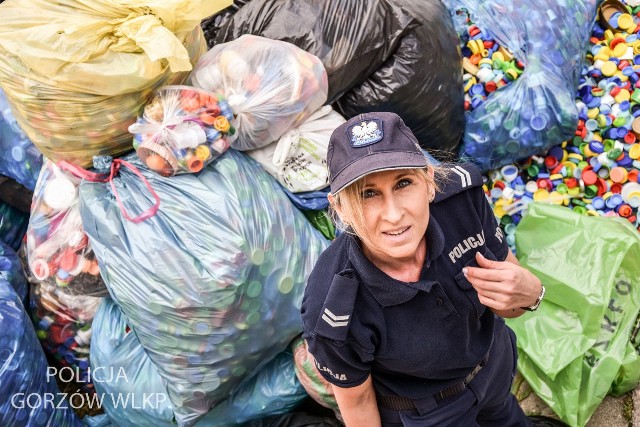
[352, 38]
[421, 81]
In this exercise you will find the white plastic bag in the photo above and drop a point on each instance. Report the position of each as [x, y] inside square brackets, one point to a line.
[299, 159]
[271, 86]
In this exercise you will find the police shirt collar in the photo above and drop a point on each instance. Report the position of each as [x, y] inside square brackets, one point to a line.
[385, 289]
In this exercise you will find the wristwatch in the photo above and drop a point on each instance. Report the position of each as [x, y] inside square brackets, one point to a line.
[536, 304]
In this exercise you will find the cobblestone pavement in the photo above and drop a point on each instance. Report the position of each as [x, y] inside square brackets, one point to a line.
[623, 411]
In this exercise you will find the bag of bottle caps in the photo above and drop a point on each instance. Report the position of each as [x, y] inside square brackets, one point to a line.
[63, 326]
[211, 283]
[271, 86]
[182, 130]
[26, 382]
[58, 250]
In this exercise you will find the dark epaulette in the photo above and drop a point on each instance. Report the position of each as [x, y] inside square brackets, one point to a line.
[459, 177]
[335, 317]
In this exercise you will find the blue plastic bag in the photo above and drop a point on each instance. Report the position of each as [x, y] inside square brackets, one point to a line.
[13, 225]
[11, 270]
[30, 397]
[19, 158]
[118, 353]
[212, 280]
[538, 110]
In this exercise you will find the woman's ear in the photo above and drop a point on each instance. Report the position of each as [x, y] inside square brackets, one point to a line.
[337, 207]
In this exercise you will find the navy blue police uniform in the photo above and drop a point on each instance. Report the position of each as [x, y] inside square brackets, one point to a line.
[421, 342]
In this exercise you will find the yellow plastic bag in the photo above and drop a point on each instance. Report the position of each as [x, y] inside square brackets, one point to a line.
[77, 73]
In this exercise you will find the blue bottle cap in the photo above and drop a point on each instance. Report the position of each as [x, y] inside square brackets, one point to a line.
[595, 102]
[626, 161]
[627, 71]
[605, 109]
[614, 200]
[476, 89]
[591, 124]
[621, 132]
[611, 133]
[587, 98]
[17, 152]
[625, 105]
[556, 152]
[538, 122]
[597, 202]
[596, 146]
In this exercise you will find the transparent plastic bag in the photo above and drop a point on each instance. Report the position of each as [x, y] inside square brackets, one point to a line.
[271, 86]
[182, 130]
[77, 73]
[299, 158]
[211, 284]
[58, 250]
[538, 110]
[26, 383]
[63, 326]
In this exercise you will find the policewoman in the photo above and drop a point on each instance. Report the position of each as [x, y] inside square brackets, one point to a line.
[403, 313]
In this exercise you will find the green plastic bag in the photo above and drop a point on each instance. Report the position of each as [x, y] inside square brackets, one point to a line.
[576, 348]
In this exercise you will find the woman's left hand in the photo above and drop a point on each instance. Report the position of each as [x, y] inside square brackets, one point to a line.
[503, 286]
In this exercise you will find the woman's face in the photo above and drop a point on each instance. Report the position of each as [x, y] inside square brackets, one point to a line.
[396, 214]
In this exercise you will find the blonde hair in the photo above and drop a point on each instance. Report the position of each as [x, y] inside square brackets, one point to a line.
[351, 201]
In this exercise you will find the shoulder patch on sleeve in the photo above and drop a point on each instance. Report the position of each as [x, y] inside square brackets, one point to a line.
[459, 177]
[335, 316]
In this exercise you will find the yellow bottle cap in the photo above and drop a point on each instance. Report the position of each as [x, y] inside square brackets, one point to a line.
[608, 34]
[623, 95]
[609, 68]
[620, 49]
[497, 56]
[601, 56]
[202, 152]
[576, 156]
[469, 67]
[540, 195]
[555, 198]
[592, 113]
[508, 56]
[472, 46]
[625, 21]
[634, 151]
[512, 73]
[574, 191]
[499, 211]
[485, 61]
[591, 212]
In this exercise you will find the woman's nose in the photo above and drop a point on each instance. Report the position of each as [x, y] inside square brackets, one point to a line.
[392, 210]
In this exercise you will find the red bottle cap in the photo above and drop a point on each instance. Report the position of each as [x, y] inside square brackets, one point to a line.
[589, 177]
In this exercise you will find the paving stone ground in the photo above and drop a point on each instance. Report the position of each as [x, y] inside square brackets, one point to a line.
[623, 411]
